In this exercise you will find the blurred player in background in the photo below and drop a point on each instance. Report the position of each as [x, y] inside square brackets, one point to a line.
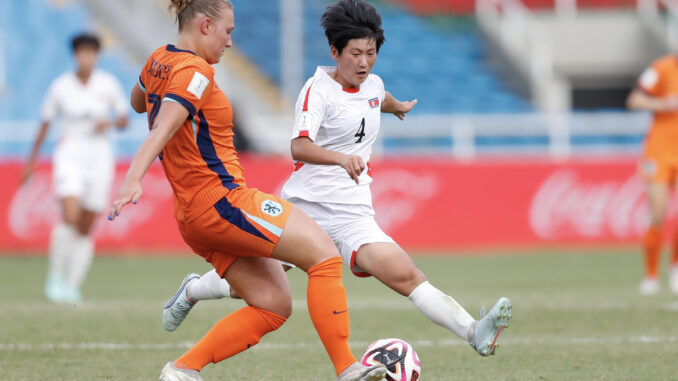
[237, 229]
[657, 91]
[88, 103]
[337, 122]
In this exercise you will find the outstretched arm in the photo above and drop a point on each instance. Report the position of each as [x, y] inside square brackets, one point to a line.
[638, 100]
[170, 118]
[396, 107]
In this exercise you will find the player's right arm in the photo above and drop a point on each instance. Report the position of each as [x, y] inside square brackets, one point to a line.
[649, 94]
[171, 117]
[304, 150]
[138, 99]
[30, 163]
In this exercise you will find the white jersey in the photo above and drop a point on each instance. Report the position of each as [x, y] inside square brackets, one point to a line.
[80, 106]
[339, 120]
[83, 158]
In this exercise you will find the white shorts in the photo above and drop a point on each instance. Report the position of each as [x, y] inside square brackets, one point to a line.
[84, 169]
[350, 226]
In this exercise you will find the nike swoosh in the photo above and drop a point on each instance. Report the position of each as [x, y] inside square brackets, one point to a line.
[339, 312]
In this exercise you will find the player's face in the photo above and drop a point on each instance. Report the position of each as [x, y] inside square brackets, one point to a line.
[355, 62]
[220, 36]
[86, 58]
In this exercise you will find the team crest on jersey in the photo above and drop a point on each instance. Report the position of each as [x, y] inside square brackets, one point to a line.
[374, 102]
[271, 208]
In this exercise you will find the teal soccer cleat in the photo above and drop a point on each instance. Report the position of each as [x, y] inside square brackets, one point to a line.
[490, 326]
[178, 307]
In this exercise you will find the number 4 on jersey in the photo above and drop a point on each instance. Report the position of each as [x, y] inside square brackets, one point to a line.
[361, 131]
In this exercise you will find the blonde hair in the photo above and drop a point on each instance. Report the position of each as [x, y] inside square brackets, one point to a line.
[185, 10]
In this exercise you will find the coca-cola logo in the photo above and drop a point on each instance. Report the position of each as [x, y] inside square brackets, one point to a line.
[34, 209]
[398, 192]
[565, 205]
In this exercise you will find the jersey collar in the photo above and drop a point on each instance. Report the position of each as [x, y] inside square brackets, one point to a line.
[173, 49]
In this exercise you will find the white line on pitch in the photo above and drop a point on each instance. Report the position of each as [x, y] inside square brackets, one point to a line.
[356, 344]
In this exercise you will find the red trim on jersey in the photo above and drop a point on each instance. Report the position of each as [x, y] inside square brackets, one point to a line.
[308, 92]
[351, 90]
[360, 274]
[303, 133]
[297, 165]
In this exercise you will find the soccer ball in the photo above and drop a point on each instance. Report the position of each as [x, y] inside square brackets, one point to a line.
[402, 362]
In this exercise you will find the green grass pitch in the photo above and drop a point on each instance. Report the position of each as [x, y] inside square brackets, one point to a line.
[576, 316]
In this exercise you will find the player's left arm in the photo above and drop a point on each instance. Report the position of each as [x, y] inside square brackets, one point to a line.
[390, 105]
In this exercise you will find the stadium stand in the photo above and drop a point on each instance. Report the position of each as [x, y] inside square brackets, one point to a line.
[39, 50]
[441, 61]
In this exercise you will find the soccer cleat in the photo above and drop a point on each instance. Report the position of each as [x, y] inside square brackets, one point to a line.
[359, 372]
[171, 373]
[673, 278]
[649, 286]
[490, 326]
[54, 288]
[178, 307]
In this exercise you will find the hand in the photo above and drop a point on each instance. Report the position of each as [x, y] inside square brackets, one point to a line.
[101, 126]
[354, 165]
[130, 192]
[671, 103]
[27, 172]
[403, 108]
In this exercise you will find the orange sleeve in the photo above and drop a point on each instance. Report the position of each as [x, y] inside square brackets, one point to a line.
[190, 85]
[651, 81]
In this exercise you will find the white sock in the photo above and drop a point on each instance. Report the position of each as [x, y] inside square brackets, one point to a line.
[60, 244]
[81, 258]
[209, 286]
[443, 310]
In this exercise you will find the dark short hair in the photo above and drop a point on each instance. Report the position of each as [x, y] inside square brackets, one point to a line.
[85, 39]
[349, 19]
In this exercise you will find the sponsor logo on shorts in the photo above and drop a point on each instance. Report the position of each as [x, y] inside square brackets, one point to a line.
[271, 208]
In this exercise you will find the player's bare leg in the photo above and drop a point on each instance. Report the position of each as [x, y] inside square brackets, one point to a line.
[304, 244]
[389, 263]
[657, 196]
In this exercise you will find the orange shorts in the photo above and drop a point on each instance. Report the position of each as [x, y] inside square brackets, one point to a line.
[656, 170]
[244, 223]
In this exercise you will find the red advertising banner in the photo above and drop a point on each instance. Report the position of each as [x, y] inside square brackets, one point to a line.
[423, 203]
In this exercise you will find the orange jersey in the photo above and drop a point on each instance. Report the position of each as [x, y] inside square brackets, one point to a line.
[200, 160]
[661, 80]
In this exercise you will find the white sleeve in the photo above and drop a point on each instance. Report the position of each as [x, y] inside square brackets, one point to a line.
[50, 105]
[309, 112]
[382, 89]
[119, 101]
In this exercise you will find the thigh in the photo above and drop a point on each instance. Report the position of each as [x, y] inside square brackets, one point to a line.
[304, 243]
[352, 234]
[262, 283]
[657, 196]
[70, 210]
[389, 263]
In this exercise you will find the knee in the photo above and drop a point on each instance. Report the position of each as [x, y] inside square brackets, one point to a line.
[276, 301]
[405, 280]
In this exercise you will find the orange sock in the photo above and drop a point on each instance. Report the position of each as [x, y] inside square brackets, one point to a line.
[326, 299]
[231, 335]
[652, 245]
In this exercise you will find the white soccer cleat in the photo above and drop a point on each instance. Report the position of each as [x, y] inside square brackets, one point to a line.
[171, 373]
[490, 326]
[673, 278]
[359, 372]
[649, 286]
[178, 307]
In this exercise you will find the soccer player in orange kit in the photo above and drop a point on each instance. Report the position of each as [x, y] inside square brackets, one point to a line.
[239, 230]
[657, 91]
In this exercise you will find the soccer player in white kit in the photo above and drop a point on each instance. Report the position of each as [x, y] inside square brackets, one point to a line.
[337, 121]
[88, 102]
